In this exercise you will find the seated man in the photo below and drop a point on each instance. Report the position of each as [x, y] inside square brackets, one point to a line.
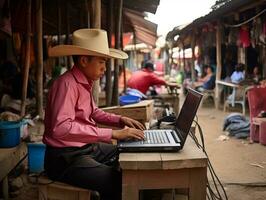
[145, 78]
[78, 152]
[238, 75]
[207, 82]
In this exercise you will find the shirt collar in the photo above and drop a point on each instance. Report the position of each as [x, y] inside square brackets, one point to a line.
[80, 77]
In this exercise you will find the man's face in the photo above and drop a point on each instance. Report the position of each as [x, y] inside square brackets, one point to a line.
[93, 67]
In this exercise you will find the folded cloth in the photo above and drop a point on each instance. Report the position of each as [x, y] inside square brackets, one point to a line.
[237, 125]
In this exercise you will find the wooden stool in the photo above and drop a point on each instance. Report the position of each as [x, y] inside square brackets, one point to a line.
[53, 190]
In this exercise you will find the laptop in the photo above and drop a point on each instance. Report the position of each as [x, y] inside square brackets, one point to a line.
[167, 140]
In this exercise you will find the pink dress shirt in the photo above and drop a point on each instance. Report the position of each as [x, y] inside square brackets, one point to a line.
[71, 114]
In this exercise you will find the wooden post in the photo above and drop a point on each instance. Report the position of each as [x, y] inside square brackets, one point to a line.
[58, 21]
[39, 74]
[96, 23]
[135, 57]
[184, 59]
[179, 59]
[168, 61]
[124, 62]
[108, 73]
[67, 33]
[59, 25]
[27, 60]
[117, 46]
[218, 61]
[193, 41]
[87, 6]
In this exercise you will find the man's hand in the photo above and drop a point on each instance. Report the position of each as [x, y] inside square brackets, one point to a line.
[126, 121]
[128, 133]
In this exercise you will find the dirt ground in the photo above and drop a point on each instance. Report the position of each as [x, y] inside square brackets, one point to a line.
[239, 164]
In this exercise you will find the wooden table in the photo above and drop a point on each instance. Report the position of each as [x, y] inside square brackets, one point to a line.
[9, 158]
[172, 87]
[184, 169]
[141, 111]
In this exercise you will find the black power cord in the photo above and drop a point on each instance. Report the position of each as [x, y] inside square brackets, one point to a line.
[218, 193]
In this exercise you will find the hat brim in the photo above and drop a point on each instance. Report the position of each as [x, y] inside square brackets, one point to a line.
[69, 50]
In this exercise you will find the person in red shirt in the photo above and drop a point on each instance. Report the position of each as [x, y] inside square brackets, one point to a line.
[78, 152]
[145, 78]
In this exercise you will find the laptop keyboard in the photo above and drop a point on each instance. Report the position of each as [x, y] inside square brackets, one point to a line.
[153, 137]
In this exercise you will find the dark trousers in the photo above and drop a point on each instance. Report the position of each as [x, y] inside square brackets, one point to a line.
[93, 166]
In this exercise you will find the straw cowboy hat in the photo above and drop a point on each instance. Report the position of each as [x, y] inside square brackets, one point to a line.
[88, 42]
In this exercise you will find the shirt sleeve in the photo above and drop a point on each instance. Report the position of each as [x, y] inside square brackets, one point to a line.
[155, 80]
[64, 125]
[106, 118]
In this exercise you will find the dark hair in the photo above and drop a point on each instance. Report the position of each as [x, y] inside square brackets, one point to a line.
[240, 67]
[149, 65]
[76, 58]
[212, 69]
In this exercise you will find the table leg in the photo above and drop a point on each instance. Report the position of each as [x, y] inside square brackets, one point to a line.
[176, 105]
[197, 184]
[130, 190]
[5, 188]
[130, 193]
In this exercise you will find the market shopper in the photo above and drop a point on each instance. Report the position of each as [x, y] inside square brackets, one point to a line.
[145, 78]
[78, 151]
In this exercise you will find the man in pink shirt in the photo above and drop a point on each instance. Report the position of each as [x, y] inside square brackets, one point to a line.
[144, 78]
[78, 152]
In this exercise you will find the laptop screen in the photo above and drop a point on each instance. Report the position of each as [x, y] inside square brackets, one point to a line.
[188, 112]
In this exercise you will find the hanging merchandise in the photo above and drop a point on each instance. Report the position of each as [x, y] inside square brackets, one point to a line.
[262, 37]
[255, 32]
[232, 37]
[244, 38]
[5, 18]
[204, 36]
[212, 35]
[17, 43]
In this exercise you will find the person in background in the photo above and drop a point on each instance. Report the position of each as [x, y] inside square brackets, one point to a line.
[256, 76]
[207, 82]
[145, 78]
[78, 152]
[238, 75]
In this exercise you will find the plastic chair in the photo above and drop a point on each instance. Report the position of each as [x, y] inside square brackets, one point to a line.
[257, 103]
[238, 96]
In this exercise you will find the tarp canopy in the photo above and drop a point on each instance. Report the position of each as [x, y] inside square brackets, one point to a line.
[74, 15]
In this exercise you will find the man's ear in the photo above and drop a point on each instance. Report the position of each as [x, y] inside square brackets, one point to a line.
[83, 61]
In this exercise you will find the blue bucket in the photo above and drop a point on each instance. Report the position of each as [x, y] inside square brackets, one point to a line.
[128, 99]
[9, 133]
[36, 152]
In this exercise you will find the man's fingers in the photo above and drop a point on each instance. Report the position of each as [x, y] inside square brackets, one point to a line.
[139, 125]
[137, 134]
